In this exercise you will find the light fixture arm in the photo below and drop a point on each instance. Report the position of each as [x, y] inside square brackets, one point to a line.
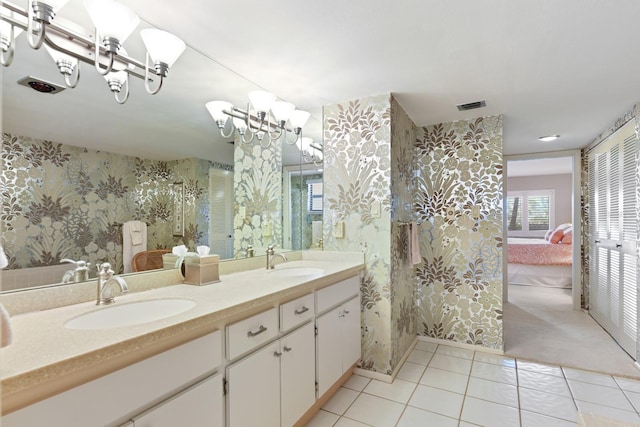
[278, 132]
[110, 54]
[32, 28]
[6, 56]
[147, 77]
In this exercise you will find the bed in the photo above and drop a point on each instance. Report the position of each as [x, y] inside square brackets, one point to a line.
[539, 262]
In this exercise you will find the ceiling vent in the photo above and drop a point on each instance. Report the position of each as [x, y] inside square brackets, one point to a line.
[40, 85]
[471, 105]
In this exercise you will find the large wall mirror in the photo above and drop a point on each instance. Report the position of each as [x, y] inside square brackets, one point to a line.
[77, 165]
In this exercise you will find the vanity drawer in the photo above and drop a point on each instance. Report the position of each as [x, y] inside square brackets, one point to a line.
[335, 294]
[251, 332]
[296, 312]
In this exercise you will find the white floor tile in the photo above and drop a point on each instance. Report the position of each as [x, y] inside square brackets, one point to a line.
[375, 411]
[495, 359]
[600, 395]
[590, 377]
[445, 380]
[414, 417]
[453, 364]
[628, 384]
[411, 372]
[531, 419]
[462, 353]
[634, 398]
[505, 394]
[540, 368]
[420, 357]
[489, 414]
[398, 391]
[543, 382]
[439, 401]
[323, 419]
[346, 422]
[426, 346]
[548, 404]
[340, 401]
[606, 411]
[497, 373]
[356, 382]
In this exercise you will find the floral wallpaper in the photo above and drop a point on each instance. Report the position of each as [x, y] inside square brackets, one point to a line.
[404, 324]
[459, 205]
[257, 185]
[367, 146]
[62, 201]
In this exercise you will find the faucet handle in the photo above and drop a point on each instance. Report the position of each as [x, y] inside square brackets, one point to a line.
[105, 268]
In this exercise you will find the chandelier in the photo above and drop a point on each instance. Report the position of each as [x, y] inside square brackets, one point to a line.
[68, 44]
[264, 118]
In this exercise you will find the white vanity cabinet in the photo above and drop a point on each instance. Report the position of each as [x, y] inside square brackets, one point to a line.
[201, 405]
[113, 399]
[338, 340]
[274, 386]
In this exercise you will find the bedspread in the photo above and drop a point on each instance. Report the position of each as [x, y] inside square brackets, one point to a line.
[538, 252]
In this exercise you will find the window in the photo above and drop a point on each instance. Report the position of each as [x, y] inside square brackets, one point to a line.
[530, 213]
[314, 196]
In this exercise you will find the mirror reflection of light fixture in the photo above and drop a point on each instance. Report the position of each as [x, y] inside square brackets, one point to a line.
[309, 151]
[264, 117]
[69, 44]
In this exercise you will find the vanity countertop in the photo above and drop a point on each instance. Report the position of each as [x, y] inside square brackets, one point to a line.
[45, 358]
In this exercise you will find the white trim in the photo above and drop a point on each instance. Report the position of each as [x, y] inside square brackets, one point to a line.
[462, 345]
[576, 287]
[386, 377]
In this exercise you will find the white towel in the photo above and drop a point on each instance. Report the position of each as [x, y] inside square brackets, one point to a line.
[134, 240]
[413, 244]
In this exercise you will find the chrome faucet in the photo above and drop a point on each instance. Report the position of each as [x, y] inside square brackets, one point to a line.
[106, 281]
[271, 256]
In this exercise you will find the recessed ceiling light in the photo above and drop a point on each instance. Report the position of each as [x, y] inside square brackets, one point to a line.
[548, 138]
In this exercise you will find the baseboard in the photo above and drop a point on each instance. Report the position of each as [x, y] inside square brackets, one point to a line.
[386, 377]
[461, 345]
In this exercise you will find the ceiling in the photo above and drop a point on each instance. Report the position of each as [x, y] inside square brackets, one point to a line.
[550, 67]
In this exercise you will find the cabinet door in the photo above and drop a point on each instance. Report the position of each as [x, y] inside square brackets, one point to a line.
[297, 374]
[328, 350]
[200, 405]
[351, 333]
[253, 383]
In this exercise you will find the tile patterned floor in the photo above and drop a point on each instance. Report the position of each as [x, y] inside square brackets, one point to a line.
[446, 386]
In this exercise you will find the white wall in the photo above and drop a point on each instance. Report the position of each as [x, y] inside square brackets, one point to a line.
[562, 184]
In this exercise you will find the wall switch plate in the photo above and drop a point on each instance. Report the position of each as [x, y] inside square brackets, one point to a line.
[242, 211]
[338, 229]
[375, 209]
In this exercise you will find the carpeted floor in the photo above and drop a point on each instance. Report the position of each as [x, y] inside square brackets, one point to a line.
[540, 325]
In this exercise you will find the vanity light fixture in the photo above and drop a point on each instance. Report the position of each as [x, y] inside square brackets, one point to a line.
[265, 119]
[68, 44]
[548, 138]
[310, 152]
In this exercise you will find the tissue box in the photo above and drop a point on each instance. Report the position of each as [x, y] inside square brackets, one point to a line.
[169, 261]
[202, 270]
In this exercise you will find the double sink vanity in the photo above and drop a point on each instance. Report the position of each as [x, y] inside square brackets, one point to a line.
[261, 347]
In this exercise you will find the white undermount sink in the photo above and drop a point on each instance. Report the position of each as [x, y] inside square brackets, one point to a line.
[295, 271]
[129, 314]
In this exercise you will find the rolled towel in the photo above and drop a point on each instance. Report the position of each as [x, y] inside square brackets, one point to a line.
[5, 328]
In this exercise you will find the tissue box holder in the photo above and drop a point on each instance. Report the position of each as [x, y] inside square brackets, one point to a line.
[202, 270]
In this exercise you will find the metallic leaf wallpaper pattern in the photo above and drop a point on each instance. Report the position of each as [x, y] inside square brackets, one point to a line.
[257, 186]
[62, 201]
[459, 204]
